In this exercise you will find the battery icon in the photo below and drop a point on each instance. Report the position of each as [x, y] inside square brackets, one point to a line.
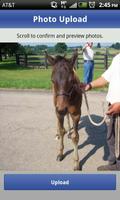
[82, 4]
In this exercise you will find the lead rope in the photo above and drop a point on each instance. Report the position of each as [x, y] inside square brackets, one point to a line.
[89, 116]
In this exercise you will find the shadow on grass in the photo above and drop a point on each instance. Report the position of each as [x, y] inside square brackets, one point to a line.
[12, 66]
[96, 137]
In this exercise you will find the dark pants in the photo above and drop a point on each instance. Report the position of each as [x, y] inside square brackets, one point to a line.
[111, 141]
[88, 71]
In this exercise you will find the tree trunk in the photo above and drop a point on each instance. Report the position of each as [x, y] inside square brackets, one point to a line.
[5, 56]
[0, 56]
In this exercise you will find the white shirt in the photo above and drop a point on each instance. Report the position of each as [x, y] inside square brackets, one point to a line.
[112, 75]
[88, 53]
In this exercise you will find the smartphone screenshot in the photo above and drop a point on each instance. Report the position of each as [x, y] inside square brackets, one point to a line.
[60, 98]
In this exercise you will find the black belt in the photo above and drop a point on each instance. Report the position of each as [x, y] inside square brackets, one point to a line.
[88, 61]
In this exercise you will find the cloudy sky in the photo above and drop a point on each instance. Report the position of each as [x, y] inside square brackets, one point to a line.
[68, 44]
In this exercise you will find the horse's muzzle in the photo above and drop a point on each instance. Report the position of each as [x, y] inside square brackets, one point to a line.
[61, 112]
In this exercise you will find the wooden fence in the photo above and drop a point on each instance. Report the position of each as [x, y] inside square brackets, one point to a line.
[102, 60]
[33, 61]
[99, 59]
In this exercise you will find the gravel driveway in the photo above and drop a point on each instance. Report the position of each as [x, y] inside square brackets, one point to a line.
[28, 128]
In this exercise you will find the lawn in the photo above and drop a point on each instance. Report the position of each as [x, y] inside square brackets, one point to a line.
[14, 76]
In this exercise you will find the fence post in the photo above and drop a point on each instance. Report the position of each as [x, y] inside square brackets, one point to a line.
[77, 63]
[26, 57]
[46, 63]
[17, 59]
[106, 59]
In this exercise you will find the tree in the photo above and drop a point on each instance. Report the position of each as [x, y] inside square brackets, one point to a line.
[10, 49]
[1, 47]
[38, 49]
[116, 45]
[98, 45]
[60, 47]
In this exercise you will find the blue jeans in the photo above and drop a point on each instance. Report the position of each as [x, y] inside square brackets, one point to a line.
[88, 71]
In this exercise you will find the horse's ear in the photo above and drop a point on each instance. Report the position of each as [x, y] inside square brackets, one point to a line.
[74, 58]
[50, 59]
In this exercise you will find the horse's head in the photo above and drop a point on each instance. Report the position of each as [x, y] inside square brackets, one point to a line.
[63, 79]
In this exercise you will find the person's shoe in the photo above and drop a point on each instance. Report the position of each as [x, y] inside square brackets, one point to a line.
[108, 168]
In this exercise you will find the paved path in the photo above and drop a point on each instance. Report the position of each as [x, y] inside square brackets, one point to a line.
[28, 128]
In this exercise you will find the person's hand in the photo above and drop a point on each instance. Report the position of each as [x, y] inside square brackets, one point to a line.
[86, 45]
[114, 109]
[83, 86]
[88, 87]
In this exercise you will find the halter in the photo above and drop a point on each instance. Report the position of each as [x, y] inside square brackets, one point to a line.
[67, 94]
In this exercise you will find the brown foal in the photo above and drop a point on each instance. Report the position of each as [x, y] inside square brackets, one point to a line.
[67, 99]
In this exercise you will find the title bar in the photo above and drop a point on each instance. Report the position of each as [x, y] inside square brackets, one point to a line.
[59, 4]
[59, 19]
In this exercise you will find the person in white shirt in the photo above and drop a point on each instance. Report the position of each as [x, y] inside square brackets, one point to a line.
[88, 56]
[112, 77]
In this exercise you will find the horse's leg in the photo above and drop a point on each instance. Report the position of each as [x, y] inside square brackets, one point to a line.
[61, 136]
[68, 121]
[75, 140]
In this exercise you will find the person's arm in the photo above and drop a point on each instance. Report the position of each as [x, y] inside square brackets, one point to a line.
[104, 79]
[100, 82]
[84, 48]
[114, 109]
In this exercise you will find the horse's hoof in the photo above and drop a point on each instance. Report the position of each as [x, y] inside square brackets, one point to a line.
[77, 168]
[60, 158]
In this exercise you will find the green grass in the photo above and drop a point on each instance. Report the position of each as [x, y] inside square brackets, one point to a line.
[14, 76]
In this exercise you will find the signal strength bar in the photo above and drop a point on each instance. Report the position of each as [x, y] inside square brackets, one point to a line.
[73, 5]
